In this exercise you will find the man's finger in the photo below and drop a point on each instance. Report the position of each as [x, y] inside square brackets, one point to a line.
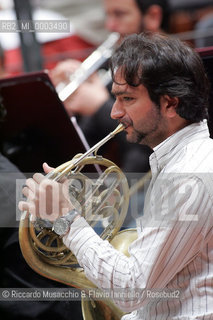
[47, 168]
[38, 177]
[27, 206]
[31, 184]
[28, 193]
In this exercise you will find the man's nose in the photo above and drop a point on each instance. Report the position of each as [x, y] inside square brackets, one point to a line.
[117, 111]
[111, 24]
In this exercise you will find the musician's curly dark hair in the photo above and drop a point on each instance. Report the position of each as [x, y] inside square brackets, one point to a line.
[165, 66]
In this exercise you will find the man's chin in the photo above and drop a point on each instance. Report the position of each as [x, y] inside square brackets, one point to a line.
[131, 138]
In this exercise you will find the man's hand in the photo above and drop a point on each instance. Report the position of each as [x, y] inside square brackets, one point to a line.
[63, 70]
[46, 199]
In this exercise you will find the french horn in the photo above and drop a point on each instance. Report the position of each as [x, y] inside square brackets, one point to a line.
[104, 203]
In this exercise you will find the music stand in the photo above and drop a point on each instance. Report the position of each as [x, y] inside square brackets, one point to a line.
[36, 127]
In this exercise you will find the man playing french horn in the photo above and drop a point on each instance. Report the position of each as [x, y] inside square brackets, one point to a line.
[92, 101]
[161, 93]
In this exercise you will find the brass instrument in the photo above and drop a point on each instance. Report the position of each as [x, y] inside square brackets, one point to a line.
[45, 252]
[88, 66]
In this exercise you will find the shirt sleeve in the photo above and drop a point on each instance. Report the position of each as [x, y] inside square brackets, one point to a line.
[164, 247]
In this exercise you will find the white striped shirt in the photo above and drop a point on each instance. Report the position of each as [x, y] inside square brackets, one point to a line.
[174, 248]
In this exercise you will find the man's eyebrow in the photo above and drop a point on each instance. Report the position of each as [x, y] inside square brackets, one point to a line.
[119, 93]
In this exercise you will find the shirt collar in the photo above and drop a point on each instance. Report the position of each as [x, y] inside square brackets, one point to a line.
[166, 149]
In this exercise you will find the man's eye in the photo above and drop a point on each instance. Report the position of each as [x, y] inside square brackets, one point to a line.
[127, 98]
[119, 14]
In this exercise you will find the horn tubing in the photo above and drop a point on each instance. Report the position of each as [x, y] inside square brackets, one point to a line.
[63, 169]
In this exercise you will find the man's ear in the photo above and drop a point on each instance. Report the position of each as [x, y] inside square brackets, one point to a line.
[169, 105]
[152, 19]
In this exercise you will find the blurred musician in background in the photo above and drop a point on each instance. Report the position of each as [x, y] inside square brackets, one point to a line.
[92, 100]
